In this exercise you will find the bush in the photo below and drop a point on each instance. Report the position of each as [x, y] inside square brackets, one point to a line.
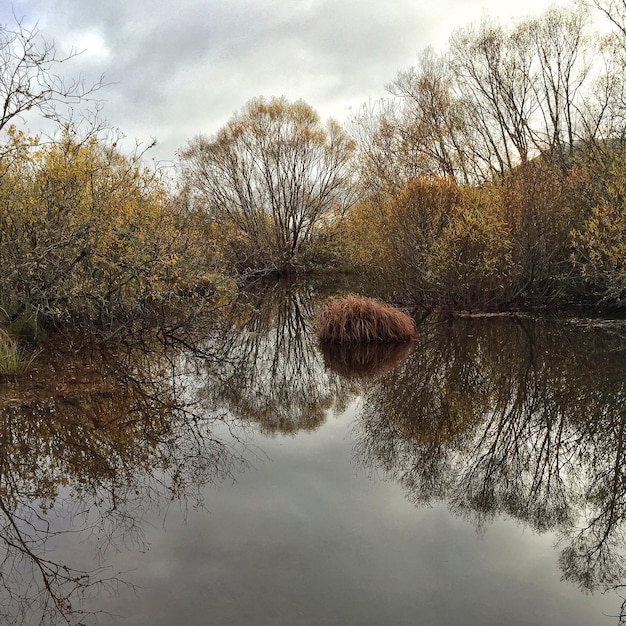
[541, 204]
[435, 243]
[599, 242]
[87, 234]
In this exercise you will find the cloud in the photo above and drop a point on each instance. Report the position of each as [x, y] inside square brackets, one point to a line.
[178, 70]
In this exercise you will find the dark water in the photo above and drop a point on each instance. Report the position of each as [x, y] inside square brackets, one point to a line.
[238, 475]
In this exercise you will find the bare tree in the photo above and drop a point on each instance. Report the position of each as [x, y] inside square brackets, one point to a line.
[565, 57]
[613, 90]
[496, 99]
[433, 124]
[274, 172]
[29, 78]
[526, 88]
[492, 70]
[376, 129]
[615, 11]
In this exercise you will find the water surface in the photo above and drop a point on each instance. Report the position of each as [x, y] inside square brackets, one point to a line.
[239, 475]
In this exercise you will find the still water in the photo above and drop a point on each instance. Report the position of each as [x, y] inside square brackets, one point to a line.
[236, 474]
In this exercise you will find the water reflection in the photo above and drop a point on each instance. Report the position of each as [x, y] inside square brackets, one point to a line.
[101, 437]
[514, 417]
[275, 376]
[365, 360]
[507, 416]
[90, 444]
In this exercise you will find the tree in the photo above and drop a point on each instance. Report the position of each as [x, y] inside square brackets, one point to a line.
[565, 56]
[422, 131]
[525, 88]
[273, 174]
[434, 122]
[28, 79]
[615, 11]
[492, 71]
[615, 57]
[496, 99]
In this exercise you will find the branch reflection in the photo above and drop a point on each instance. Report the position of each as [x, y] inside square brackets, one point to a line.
[275, 377]
[512, 417]
[87, 449]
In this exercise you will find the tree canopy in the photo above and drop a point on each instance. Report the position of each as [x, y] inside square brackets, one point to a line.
[273, 173]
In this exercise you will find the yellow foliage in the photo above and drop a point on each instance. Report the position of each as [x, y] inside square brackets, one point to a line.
[436, 242]
[599, 244]
[85, 230]
[540, 234]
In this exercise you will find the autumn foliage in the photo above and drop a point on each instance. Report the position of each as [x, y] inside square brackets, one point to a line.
[87, 234]
[434, 243]
[540, 235]
[492, 179]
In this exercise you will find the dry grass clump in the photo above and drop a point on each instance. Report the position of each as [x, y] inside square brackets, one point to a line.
[355, 319]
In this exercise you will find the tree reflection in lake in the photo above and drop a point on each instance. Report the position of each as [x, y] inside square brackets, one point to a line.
[89, 445]
[502, 416]
[274, 375]
[514, 417]
[98, 439]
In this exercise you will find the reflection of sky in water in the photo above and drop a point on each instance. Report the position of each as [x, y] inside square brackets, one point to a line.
[359, 498]
[303, 537]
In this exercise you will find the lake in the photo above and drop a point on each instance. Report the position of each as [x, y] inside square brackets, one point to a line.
[236, 473]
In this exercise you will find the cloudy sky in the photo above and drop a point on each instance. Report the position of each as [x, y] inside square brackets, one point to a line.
[176, 69]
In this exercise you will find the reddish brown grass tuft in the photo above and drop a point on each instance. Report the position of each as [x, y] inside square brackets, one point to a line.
[355, 319]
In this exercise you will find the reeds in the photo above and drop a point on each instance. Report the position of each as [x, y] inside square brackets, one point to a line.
[13, 359]
[356, 319]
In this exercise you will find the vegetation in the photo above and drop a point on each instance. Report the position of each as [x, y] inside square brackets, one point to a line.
[88, 235]
[269, 181]
[354, 319]
[435, 243]
[28, 77]
[493, 177]
[13, 358]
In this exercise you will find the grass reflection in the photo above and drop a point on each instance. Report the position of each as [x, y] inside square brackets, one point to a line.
[364, 360]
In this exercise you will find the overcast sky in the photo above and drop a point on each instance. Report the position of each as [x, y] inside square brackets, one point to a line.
[176, 69]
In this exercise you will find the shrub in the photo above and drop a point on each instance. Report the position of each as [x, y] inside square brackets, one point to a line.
[88, 234]
[599, 242]
[435, 243]
[541, 204]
